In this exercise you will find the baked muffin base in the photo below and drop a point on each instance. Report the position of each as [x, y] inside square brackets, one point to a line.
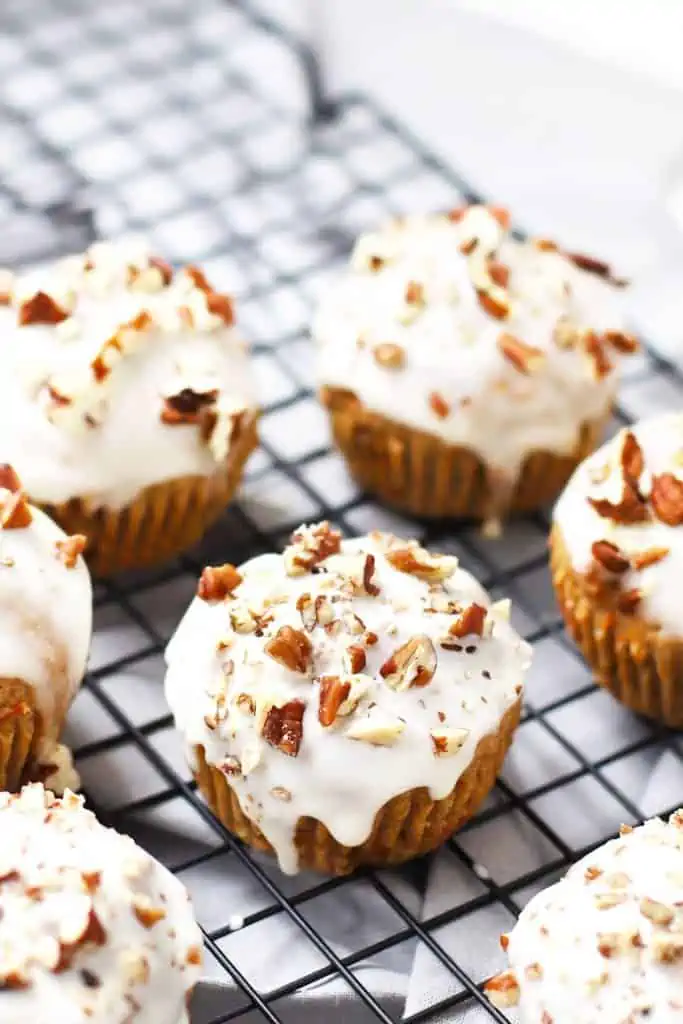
[408, 826]
[420, 474]
[162, 521]
[627, 654]
[19, 732]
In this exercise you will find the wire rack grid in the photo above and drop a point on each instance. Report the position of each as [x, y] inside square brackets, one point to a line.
[155, 118]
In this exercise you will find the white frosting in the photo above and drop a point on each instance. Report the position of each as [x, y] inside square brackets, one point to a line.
[450, 343]
[45, 614]
[93, 930]
[344, 772]
[600, 477]
[605, 944]
[107, 441]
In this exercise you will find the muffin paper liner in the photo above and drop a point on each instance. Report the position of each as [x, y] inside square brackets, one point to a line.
[419, 473]
[627, 654]
[19, 732]
[408, 826]
[162, 521]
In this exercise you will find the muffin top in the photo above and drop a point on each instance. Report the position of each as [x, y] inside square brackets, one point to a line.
[605, 944]
[331, 678]
[621, 521]
[93, 930]
[45, 603]
[117, 372]
[448, 324]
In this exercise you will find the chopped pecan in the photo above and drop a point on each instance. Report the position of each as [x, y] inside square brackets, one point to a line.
[631, 508]
[658, 913]
[283, 727]
[415, 294]
[447, 742]
[355, 657]
[494, 307]
[310, 545]
[416, 561]
[545, 244]
[147, 914]
[632, 461]
[187, 406]
[40, 308]
[501, 214]
[629, 600]
[667, 949]
[291, 648]
[625, 343]
[70, 548]
[221, 306]
[667, 499]
[368, 572]
[93, 933]
[644, 559]
[456, 214]
[218, 581]
[468, 246]
[503, 990]
[499, 273]
[439, 405]
[412, 664]
[610, 557]
[198, 278]
[9, 479]
[14, 981]
[376, 263]
[470, 622]
[525, 358]
[164, 268]
[333, 693]
[597, 354]
[15, 512]
[391, 356]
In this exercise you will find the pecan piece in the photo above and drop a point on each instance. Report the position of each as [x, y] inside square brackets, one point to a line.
[412, 664]
[221, 306]
[368, 572]
[631, 508]
[632, 460]
[40, 308]
[70, 548]
[93, 933]
[310, 545]
[470, 622]
[609, 557]
[291, 648]
[15, 512]
[501, 214]
[620, 342]
[164, 268]
[218, 581]
[415, 294]
[644, 559]
[667, 499]
[417, 562]
[391, 356]
[283, 727]
[447, 742]
[525, 358]
[187, 406]
[494, 307]
[8, 478]
[439, 405]
[355, 658]
[147, 914]
[503, 990]
[198, 278]
[333, 693]
[499, 273]
[597, 354]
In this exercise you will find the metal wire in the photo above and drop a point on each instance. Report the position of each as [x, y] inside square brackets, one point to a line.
[150, 118]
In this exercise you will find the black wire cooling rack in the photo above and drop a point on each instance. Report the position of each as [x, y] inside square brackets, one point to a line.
[156, 118]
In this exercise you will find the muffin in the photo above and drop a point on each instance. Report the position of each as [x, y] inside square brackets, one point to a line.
[466, 373]
[45, 628]
[617, 562]
[605, 944]
[347, 702]
[127, 400]
[93, 930]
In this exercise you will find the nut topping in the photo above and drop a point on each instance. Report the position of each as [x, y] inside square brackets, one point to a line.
[597, 355]
[667, 949]
[390, 356]
[333, 692]
[667, 499]
[610, 557]
[470, 622]
[416, 561]
[40, 308]
[15, 512]
[415, 294]
[439, 405]
[499, 273]
[503, 990]
[447, 742]
[644, 559]
[631, 508]
[632, 461]
[413, 664]
[493, 306]
[656, 912]
[310, 546]
[187, 406]
[624, 343]
[377, 728]
[9, 479]
[218, 582]
[525, 358]
[292, 649]
[283, 727]
[70, 548]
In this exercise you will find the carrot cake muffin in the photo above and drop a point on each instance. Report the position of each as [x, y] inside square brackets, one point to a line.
[126, 399]
[92, 929]
[45, 629]
[466, 372]
[617, 565]
[605, 944]
[346, 702]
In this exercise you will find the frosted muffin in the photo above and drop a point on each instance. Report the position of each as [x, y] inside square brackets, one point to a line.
[126, 400]
[605, 944]
[467, 373]
[92, 930]
[45, 629]
[347, 702]
[617, 564]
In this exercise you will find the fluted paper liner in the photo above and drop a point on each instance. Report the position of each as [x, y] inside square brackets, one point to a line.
[419, 473]
[627, 654]
[408, 826]
[162, 521]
